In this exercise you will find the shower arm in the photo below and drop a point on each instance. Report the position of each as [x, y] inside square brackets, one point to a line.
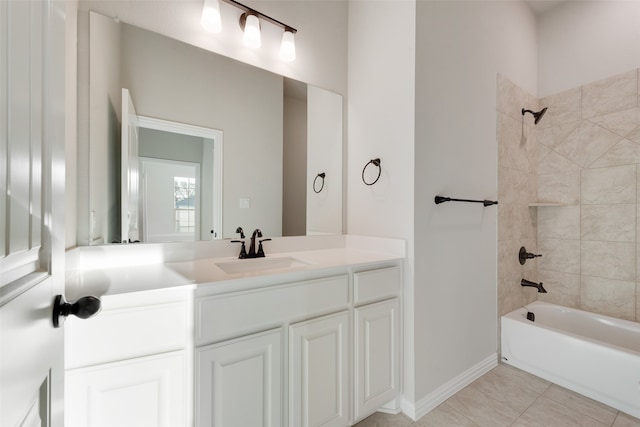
[537, 115]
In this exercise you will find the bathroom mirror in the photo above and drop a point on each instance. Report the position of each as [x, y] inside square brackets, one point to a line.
[276, 136]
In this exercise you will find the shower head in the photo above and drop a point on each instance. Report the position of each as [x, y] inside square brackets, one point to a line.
[537, 116]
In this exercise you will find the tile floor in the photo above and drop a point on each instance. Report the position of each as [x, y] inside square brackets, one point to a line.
[506, 396]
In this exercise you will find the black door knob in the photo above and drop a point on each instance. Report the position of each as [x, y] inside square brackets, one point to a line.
[84, 308]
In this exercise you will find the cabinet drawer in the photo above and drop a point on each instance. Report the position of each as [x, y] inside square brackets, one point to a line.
[224, 316]
[376, 284]
[119, 333]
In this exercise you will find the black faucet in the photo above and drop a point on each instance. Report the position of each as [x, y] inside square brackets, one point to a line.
[253, 253]
[526, 282]
[252, 247]
[243, 249]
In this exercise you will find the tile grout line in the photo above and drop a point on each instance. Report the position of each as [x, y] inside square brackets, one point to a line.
[576, 410]
[532, 403]
[460, 413]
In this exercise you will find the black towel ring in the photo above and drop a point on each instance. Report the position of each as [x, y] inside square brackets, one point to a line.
[375, 162]
[320, 175]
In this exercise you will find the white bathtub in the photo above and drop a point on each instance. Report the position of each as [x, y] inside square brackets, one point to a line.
[594, 355]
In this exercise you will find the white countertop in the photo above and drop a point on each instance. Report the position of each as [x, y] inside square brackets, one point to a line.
[102, 279]
[121, 280]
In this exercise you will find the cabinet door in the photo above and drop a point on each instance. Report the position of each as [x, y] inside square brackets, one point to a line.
[318, 372]
[377, 364]
[239, 382]
[142, 392]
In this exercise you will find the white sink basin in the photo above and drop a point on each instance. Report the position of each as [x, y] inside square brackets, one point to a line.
[259, 264]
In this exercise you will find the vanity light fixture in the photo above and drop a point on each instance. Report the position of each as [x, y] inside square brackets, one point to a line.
[288, 46]
[211, 20]
[250, 24]
[251, 27]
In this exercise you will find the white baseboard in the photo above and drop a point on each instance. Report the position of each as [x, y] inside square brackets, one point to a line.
[448, 389]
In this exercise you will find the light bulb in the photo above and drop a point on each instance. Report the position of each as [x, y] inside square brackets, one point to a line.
[288, 47]
[252, 32]
[211, 16]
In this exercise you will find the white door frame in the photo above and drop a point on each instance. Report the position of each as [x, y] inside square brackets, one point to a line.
[217, 137]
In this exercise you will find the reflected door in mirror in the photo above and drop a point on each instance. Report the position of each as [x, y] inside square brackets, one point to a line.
[171, 192]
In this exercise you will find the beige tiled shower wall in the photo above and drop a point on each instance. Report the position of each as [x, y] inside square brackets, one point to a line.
[517, 188]
[588, 160]
[584, 156]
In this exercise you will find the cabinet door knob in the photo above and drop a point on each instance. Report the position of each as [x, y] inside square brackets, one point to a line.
[84, 308]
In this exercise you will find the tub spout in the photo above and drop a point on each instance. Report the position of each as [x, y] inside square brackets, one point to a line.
[539, 286]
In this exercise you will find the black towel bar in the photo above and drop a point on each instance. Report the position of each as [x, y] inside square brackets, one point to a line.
[440, 199]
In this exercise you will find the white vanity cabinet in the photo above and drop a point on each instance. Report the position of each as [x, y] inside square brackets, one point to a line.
[322, 352]
[317, 347]
[131, 364]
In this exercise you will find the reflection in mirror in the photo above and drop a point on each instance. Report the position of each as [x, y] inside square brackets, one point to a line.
[277, 133]
[180, 181]
[129, 167]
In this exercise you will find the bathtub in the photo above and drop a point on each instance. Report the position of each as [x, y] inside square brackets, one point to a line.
[594, 355]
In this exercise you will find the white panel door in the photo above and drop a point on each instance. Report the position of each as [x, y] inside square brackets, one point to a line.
[377, 364]
[239, 382]
[32, 119]
[143, 392]
[318, 372]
